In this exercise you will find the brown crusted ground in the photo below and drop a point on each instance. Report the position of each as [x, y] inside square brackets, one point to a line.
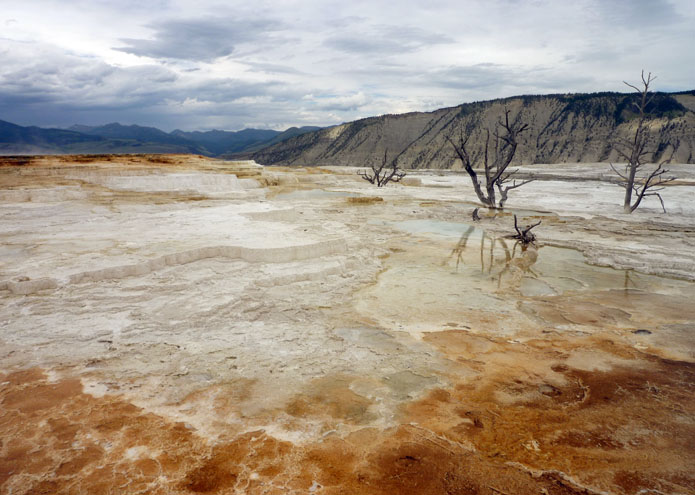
[43, 160]
[625, 429]
[48, 171]
[331, 397]
[621, 430]
[56, 439]
[365, 200]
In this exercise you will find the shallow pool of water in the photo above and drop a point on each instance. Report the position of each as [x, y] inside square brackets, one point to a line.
[534, 271]
[438, 227]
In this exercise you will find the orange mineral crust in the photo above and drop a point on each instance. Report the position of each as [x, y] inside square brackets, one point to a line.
[590, 432]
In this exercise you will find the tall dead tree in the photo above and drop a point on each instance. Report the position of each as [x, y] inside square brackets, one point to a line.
[383, 174]
[495, 162]
[636, 154]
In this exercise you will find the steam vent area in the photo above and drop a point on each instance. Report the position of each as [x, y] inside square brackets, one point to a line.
[172, 324]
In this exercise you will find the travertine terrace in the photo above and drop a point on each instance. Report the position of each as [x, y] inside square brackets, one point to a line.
[177, 325]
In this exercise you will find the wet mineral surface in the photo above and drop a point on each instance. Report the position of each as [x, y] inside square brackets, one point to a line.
[177, 325]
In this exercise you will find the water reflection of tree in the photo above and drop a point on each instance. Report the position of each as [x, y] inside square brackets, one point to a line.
[629, 281]
[519, 266]
[516, 262]
[461, 246]
[512, 264]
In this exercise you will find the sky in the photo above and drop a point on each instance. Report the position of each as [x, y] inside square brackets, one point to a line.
[207, 64]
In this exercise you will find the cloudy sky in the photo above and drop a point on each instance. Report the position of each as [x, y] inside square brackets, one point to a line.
[204, 64]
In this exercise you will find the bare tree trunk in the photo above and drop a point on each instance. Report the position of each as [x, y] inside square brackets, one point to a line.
[489, 182]
[627, 204]
[636, 143]
[635, 153]
[495, 166]
[465, 158]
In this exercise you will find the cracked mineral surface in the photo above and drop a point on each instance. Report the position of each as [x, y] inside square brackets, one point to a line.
[179, 325]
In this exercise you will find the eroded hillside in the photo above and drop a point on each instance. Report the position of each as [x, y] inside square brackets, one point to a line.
[562, 128]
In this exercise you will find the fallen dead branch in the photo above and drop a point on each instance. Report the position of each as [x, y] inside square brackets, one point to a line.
[525, 236]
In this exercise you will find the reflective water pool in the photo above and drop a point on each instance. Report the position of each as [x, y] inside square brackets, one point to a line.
[453, 272]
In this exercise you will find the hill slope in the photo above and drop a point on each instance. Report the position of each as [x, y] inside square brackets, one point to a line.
[219, 142]
[562, 128]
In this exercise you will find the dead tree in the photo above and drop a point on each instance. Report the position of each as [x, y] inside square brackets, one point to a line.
[495, 161]
[525, 236]
[635, 152]
[383, 174]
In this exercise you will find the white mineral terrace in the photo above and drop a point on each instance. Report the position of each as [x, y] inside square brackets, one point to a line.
[196, 326]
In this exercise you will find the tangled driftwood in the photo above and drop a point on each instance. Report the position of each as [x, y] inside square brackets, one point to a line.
[524, 236]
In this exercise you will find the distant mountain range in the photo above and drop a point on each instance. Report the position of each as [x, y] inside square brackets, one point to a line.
[117, 138]
[562, 128]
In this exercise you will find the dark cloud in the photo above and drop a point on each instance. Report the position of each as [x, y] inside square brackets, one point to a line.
[202, 40]
[225, 104]
[34, 68]
[42, 85]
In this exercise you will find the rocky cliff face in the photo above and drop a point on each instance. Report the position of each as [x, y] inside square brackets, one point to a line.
[562, 128]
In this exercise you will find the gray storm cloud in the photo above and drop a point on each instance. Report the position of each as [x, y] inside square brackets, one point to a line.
[196, 65]
[201, 40]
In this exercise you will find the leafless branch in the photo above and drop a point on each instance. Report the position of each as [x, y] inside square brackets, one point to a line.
[496, 160]
[636, 151]
[618, 173]
[516, 184]
[525, 236]
[383, 174]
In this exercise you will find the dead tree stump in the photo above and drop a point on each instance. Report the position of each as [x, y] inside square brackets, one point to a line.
[525, 236]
